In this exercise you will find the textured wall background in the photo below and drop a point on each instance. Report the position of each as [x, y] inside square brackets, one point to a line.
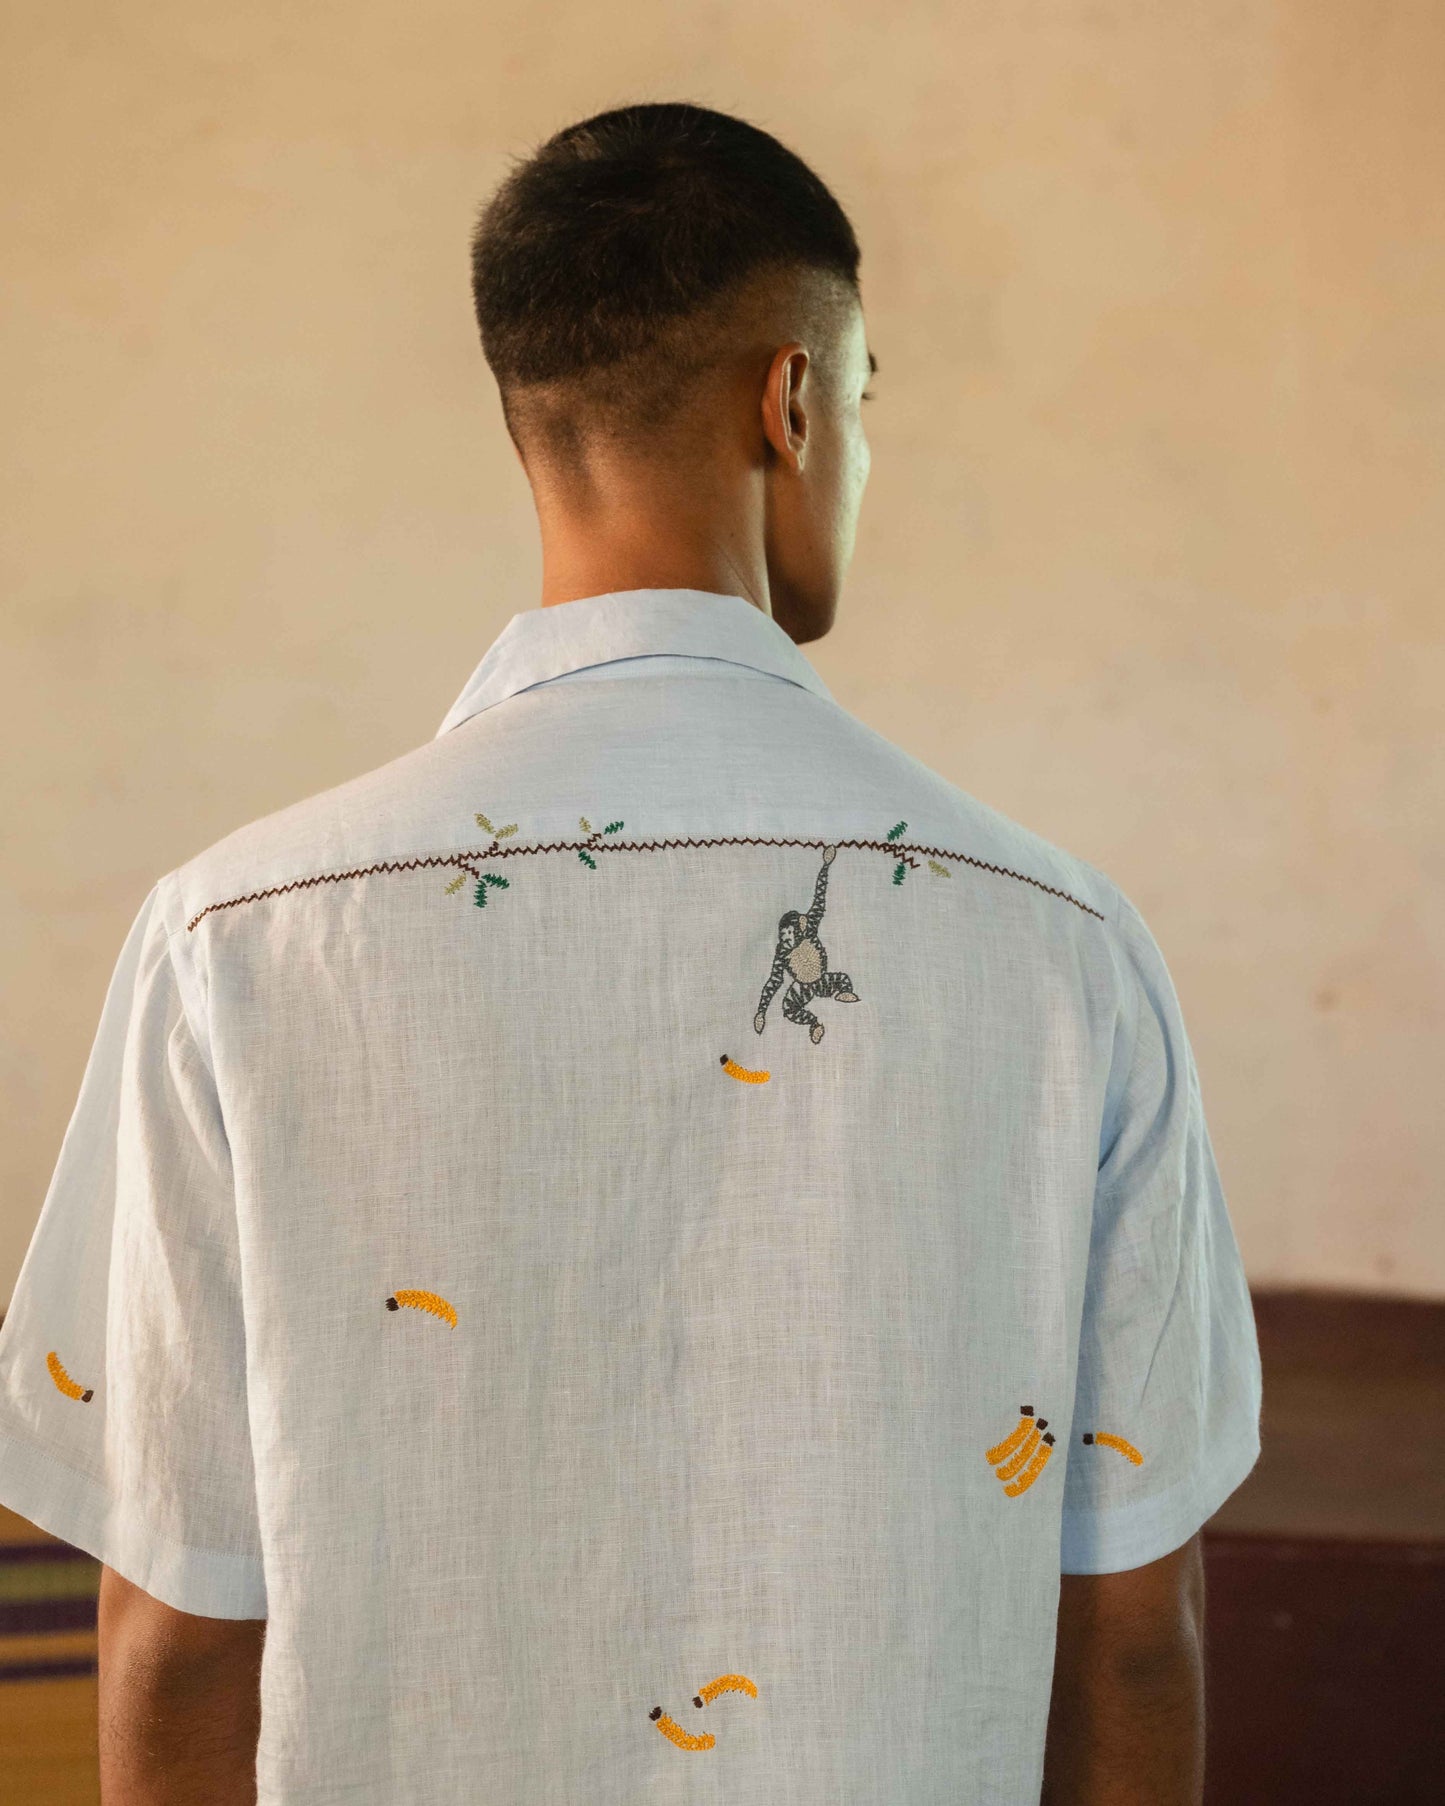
[1151, 558]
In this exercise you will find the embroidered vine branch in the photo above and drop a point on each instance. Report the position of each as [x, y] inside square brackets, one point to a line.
[468, 861]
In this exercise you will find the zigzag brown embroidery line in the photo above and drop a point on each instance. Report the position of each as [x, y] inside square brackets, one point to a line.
[462, 862]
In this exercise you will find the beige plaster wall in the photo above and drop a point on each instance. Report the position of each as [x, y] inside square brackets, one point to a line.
[1151, 559]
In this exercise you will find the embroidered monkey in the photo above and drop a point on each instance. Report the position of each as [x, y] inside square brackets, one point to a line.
[802, 957]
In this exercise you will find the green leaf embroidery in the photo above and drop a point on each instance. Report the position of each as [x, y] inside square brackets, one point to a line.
[587, 859]
[486, 879]
[896, 830]
[899, 872]
[613, 826]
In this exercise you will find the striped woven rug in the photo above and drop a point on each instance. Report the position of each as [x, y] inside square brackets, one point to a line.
[47, 1604]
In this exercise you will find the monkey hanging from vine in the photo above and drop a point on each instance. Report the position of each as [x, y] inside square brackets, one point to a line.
[802, 957]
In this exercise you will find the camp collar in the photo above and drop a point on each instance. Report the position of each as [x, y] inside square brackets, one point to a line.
[542, 643]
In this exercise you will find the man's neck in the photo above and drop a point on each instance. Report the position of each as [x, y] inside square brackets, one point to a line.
[631, 530]
[570, 581]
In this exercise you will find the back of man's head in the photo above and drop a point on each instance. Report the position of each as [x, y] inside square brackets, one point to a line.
[612, 269]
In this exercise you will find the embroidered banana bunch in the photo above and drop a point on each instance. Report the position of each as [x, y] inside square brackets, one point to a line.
[1024, 1452]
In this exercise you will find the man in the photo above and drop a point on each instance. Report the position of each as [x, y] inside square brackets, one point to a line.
[653, 1246]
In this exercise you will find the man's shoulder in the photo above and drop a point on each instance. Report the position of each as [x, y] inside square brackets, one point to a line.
[1016, 847]
[985, 836]
[425, 805]
[394, 811]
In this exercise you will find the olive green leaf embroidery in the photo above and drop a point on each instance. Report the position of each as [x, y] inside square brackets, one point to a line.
[593, 837]
[596, 838]
[485, 882]
[900, 871]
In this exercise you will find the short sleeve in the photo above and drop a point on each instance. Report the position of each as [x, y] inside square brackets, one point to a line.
[1167, 1400]
[123, 1401]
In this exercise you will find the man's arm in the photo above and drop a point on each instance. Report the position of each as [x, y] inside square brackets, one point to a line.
[820, 889]
[180, 1702]
[1126, 1723]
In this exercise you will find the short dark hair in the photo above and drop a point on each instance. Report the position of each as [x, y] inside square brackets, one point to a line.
[617, 229]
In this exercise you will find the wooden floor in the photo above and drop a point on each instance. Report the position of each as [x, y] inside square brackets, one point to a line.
[1326, 1585]
[1354, 1397]
[1324, 1671]
[47, 1743]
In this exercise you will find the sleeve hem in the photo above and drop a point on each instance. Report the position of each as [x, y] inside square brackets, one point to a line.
[1130, 1536]
[67, 1504]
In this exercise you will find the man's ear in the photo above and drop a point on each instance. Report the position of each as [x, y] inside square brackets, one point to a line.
[785, 414]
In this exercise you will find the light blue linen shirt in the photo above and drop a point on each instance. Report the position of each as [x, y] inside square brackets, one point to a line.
[642, 1236]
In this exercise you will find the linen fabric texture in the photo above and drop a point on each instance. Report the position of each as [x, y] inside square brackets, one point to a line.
[454, 1291]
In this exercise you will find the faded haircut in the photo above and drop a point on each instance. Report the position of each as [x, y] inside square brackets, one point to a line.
[607, 266]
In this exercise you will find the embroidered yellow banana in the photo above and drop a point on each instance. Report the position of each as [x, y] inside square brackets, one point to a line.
[746, 1074]
[1107, 1441]
[675, 1733]
[424, 1301]
[64, 1381]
